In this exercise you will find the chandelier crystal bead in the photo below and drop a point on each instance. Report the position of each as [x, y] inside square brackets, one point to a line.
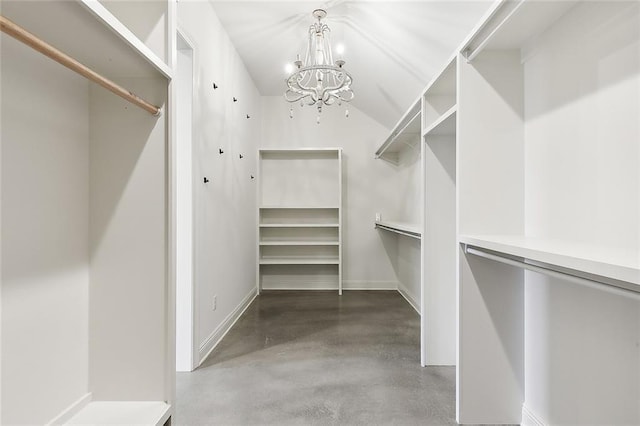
[319, 80]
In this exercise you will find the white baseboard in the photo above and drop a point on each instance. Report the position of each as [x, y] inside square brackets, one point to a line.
[369, 285]
[529, 418]
[71, 410]
[214, 338]
[403, 291]
[323, 285]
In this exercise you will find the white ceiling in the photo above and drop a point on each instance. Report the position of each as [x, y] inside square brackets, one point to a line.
[392, 48]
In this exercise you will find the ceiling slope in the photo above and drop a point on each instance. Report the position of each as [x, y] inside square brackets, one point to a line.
[392, 48]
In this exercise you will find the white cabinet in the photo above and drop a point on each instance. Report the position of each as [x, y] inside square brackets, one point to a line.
[299, 219]
[100, 295]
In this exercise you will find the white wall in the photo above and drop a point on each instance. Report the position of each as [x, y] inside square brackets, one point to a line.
[225, 234]
[582, 183]
[45, 275]
[128, 240]
[369, 185]
[408, 209]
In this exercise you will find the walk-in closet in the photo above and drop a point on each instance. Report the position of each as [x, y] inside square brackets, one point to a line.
[347, 212]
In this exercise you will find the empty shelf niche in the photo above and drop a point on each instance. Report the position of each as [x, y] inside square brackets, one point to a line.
[440, 97]
[299, 254]
[299, 277]
[279, 216]
[300, 177]
[299, 235]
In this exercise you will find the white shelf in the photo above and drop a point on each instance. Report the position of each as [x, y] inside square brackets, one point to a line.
[122, 413]
[111, 22]
[405, 133]
[298, 207]
[82, 28]
[299, 261]
[401, 228]
[445, 125]
[299, 243]
[299, 225]
[300, 152]
[621, 265]
[512, 24]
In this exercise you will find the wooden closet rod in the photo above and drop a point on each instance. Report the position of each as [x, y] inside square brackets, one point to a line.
[19, 33]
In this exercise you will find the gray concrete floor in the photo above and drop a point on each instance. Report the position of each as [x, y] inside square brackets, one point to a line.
[316, 358]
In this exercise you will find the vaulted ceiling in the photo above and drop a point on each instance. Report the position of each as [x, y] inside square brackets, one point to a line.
[392, 48]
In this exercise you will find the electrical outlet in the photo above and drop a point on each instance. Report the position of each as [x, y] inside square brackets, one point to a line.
[214, 305]
[378, 217]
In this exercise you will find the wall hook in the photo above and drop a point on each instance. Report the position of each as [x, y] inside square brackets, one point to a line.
[248, 116]
[206, 180]
[241, 156]
[220, 151]
[252, 177]
[235, 99]
[215, 86]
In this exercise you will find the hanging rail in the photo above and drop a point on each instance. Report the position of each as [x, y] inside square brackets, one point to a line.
[10, 28]
[397, 230]
[551, 271]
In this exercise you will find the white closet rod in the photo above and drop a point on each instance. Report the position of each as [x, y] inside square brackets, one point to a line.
[547, 270]
[398, 231]
[10, 28]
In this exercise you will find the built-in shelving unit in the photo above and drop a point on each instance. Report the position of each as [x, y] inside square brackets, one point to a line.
[299, 221]
[108, 164]
[547, 179]
[439, 111]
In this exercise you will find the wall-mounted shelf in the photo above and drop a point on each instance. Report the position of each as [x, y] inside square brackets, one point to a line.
[405, 229]
[621, 265]
[299, 225]
[294, 261]
[297, 207]
[299, 243]
[95, 29]
[443, 126]
[405, 134]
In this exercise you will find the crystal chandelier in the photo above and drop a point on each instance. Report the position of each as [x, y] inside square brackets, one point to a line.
[319, 80]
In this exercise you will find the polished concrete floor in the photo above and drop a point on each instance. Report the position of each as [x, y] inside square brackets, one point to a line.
[315, 358]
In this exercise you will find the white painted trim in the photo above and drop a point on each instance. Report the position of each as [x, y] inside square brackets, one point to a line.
[369, 285]
[214, 338]
[71, 410]
[301, 288]
[529, 418]
[404, 293]
[346, 285]
[181, 33]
